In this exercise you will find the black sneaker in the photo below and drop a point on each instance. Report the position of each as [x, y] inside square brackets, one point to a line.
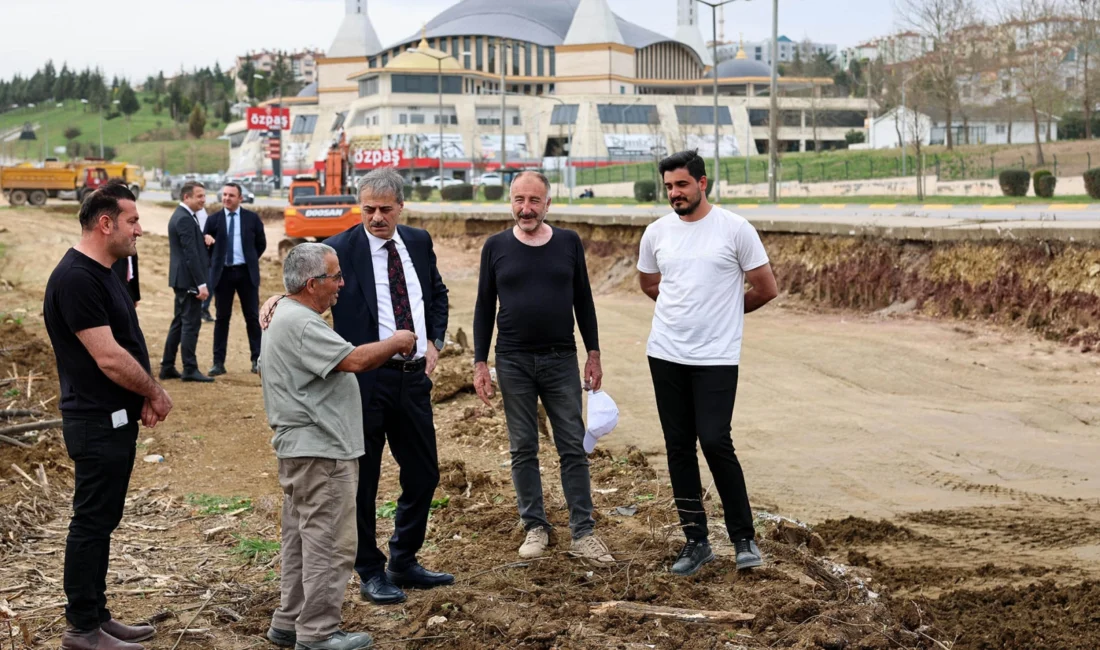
[748, 554]
[693, 556]
[282, 638]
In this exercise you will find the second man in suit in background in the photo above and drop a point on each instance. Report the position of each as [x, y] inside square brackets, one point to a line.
[187, 274]
[238, 241]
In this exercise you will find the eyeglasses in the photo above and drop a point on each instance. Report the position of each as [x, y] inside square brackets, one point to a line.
[336, 276]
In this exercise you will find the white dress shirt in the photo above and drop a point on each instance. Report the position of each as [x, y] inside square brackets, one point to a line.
[387, 324]
[238, 247]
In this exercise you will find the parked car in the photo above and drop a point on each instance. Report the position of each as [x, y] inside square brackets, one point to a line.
[492, 178]
[433, 182]
[213, 184]
[178, 181]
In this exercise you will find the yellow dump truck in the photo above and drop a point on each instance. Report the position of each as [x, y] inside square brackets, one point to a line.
[35, 184]
[134, 175]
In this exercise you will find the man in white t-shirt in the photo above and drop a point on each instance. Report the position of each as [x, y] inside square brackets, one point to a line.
[695, 263]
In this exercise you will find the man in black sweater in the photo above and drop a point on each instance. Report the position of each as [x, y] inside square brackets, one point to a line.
[539, 275]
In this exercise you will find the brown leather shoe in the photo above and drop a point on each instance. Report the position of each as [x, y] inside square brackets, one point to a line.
[130, 633]
[94, 640]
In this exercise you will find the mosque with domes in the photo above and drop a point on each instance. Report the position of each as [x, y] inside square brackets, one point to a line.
[578, 80]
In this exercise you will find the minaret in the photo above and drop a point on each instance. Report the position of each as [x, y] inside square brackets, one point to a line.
[356, 36]
[687, 29]
[594, 48]
[349, 53]
[592, 23]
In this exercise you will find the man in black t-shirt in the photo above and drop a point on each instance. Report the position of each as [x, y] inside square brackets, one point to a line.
[539, 275]
[106, 389]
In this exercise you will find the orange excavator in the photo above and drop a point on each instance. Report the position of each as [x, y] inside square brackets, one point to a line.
[321, 206]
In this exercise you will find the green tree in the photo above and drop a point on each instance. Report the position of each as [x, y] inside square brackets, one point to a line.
[72, 133]
[282, 78]
[246, 75]
[128, 103]
[197, 123]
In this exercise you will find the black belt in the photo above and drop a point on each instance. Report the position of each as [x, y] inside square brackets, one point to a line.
[406, 366]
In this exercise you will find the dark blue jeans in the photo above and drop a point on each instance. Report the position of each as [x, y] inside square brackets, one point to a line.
[553, 377]
[103, 458]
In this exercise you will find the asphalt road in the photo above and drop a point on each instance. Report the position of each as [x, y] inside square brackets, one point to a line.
[841, 213]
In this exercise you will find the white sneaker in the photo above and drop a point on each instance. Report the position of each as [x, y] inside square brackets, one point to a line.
[592, 549]
[535, 544]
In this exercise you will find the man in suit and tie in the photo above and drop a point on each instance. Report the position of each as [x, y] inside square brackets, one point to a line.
[238, 241]
[391, 284]
[187, 274]
[126, 268]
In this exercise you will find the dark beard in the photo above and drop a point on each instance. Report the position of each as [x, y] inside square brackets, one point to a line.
[683, 211]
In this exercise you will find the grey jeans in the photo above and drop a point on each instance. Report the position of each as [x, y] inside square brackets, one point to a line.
[554, 377]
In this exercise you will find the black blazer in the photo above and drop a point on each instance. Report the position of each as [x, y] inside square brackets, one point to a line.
[120, 267]
[253, 242]
[188, 262]
[355, 315]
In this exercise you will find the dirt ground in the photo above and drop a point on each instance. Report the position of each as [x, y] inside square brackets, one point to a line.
[949, 467]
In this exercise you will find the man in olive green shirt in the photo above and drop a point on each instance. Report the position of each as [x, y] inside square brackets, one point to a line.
[312, 402]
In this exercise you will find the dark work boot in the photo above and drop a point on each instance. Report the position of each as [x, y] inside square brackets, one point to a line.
[95, 639]
[282, 638]
[130, 633]
[748, 554]
[693, 556]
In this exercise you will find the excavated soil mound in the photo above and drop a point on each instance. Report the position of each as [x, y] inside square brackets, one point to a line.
[854, 530]
[1051, 288]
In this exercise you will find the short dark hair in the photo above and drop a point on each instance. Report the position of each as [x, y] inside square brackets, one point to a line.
[104, 201]
[234, 185]
[689, 160]
[189, 188]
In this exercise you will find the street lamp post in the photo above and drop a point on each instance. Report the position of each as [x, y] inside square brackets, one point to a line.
[503, 117]
[116, 103]
[713, 4]
[439, 62]
[568, 151]
[904, 141]
[46, 132]
[773, 109]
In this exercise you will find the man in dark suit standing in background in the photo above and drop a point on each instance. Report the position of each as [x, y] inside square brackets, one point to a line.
[238, 241]
[187, 275]
[392, 283]
[126, 268]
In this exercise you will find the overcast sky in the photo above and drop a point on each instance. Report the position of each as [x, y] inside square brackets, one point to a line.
[144, 37]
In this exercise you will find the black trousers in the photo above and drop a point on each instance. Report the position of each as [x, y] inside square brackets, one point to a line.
[236, 280]
[103, 458]
[696, 403]
[183, 333]
[400, 411]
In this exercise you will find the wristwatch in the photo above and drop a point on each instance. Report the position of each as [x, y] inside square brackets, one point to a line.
[438, 343]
